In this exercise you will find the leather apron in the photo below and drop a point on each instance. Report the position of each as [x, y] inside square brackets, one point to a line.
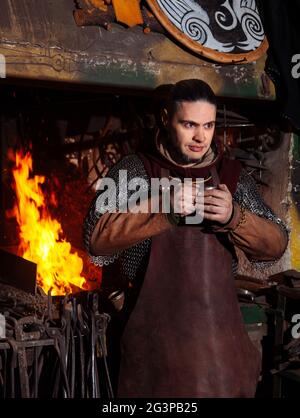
[185, 336]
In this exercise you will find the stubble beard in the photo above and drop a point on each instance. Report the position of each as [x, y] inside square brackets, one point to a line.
[178, 156]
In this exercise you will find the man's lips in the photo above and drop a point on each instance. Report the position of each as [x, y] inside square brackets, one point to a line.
[195, 148]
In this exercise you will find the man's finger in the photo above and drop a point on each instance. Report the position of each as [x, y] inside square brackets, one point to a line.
[216, 201]
[220, 194]
[224, 187]
[213, 209]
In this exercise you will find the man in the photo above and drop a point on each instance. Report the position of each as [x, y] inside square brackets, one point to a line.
[183, 331]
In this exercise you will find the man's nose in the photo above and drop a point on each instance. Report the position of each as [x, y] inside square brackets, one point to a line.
[198, 135]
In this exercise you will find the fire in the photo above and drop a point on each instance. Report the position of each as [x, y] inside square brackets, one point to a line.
[41, 236]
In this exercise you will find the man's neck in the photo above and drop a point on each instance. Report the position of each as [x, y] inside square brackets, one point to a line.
[171, 154]
[186, 162]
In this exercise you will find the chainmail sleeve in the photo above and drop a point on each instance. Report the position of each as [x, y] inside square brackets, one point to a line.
[135, 169]
[247, 195]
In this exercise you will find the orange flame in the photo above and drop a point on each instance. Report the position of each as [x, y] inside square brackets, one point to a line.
[40, 235]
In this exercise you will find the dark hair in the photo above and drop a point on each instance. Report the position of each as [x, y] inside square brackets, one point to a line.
[190, 90]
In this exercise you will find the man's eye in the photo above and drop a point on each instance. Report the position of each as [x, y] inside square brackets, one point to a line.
[209, 125]
[188, 125]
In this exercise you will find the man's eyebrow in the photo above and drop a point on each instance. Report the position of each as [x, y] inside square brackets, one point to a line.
[195, 123]
[188, 121]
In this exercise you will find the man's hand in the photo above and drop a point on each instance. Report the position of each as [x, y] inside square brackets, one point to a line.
[183, 199]
[218, 204]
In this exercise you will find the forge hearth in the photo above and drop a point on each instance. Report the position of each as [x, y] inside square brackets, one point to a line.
[53, 333]
[43, 226]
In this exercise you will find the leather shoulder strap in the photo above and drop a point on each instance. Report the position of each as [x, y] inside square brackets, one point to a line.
[229, 173]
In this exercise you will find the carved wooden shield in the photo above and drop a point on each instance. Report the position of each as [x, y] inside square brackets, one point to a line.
[224, 31]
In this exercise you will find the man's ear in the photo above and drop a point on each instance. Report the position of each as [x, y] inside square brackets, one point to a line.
[164, 116]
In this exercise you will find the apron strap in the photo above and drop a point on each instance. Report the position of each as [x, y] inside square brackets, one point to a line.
[215, 176]
[164, 172]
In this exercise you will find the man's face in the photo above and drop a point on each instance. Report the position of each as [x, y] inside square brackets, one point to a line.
[191, 129]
